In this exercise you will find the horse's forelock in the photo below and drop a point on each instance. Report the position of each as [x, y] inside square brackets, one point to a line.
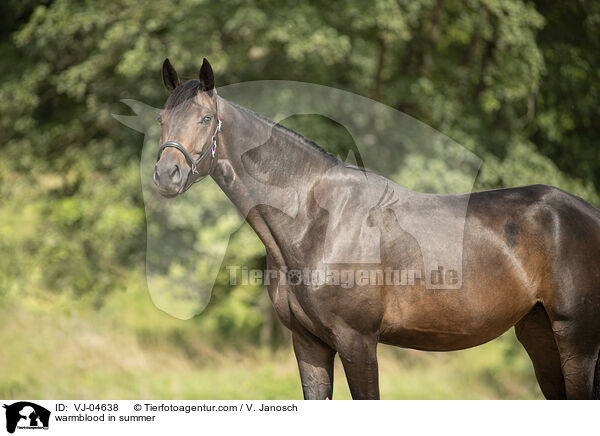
[184, 94]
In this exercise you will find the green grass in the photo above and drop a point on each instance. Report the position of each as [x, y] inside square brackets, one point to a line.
[55, 347]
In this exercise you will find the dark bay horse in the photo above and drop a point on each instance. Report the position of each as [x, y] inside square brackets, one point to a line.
[530, 256]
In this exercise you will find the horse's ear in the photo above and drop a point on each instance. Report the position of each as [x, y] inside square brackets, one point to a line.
[169, 76]
[207, 78]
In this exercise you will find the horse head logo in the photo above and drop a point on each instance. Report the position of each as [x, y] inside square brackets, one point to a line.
[25, 414]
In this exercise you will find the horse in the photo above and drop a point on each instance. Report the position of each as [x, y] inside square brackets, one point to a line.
[529, 256]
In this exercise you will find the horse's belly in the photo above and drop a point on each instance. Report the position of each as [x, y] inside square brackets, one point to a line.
[449, 320]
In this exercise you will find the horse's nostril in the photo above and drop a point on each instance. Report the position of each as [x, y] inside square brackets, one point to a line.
[175, 174]
[155, 176]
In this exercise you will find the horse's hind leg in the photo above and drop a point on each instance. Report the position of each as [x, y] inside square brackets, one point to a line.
[579, 358]
[596, 388]
[535, 334]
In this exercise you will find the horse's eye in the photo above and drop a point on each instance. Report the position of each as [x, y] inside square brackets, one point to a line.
[207, 118]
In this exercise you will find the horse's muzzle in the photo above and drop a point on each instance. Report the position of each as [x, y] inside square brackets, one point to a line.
[169, 177]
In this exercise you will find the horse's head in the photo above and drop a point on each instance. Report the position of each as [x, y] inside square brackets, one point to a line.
[190, 124]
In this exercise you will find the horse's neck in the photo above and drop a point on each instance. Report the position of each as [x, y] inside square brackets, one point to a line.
[268, 173]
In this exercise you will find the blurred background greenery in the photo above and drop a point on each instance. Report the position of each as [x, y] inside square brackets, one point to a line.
[516, 82]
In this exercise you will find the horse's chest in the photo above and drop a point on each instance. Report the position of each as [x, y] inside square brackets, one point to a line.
[279, 298]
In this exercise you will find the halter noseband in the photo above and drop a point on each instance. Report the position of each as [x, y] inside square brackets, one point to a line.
[188, 157]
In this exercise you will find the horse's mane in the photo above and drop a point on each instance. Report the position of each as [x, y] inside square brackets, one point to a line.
[297, 137]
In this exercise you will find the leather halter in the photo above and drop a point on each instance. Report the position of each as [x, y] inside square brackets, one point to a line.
[194, 163]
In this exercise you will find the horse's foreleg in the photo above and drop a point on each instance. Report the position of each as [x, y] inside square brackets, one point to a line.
[315, 362]
[359, 357]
